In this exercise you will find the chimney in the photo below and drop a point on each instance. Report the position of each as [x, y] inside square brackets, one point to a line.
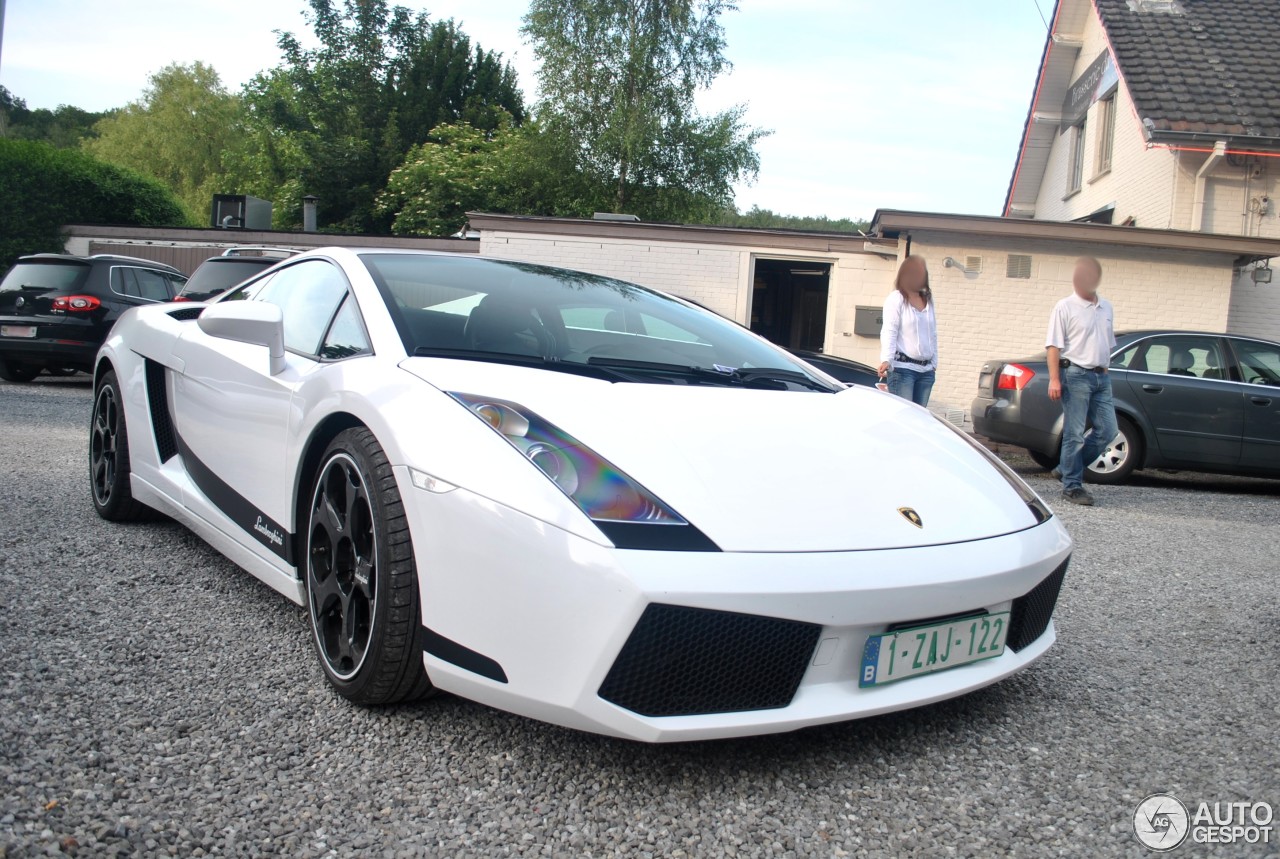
[309, 213]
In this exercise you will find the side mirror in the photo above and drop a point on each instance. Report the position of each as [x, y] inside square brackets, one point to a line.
[257, 322]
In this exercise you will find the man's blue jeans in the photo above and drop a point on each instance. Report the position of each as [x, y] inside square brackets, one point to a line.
[1086, 400]
[911, 385]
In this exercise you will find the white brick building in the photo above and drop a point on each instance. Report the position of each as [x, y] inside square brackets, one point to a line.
[1164, 115]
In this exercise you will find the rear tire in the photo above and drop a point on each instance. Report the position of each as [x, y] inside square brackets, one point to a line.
[1121, 458]
[1044, 460]
[361, 580]
[12, 371]
[109, 457]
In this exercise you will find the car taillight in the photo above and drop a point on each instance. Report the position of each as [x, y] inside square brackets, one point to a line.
[75, 304]
[180, 298]
[1013, 377]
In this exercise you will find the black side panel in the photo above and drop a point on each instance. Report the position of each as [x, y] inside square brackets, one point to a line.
[158, 403]
[450, 651]
[682, 661]
[239, 509]
[1033, 611]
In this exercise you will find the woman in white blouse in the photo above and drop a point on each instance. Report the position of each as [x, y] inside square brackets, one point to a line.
[909, 336]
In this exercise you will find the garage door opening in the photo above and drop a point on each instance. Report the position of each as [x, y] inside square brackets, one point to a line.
[789, 302]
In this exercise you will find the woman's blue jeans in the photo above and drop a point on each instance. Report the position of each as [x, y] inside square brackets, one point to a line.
[912, 385]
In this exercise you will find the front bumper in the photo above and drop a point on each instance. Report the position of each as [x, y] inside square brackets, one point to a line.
[555, 611]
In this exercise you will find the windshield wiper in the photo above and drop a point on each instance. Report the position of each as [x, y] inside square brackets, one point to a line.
[745, 376]
[519, 360]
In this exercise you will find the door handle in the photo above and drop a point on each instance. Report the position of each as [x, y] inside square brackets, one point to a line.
[1153, 389]
[1260, 401]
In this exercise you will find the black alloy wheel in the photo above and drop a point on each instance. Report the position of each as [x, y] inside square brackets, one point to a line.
[361, 581]
[109, 456]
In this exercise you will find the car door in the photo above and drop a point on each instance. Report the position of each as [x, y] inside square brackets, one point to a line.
[1259, 368]
[1182, 385]
[231, 414]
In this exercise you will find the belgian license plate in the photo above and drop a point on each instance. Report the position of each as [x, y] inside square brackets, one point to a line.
[17, 331]
[920, 650]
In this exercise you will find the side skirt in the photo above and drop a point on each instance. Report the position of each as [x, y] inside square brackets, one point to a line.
[283, 581]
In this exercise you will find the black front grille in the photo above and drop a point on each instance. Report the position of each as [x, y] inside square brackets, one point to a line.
[683, 661]
[1032, 611]
[158, 402]
[186, 314]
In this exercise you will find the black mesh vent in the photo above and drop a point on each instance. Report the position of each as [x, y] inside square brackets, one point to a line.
[158, 401]
[1032, 611]
[682, 661]
[186, 314]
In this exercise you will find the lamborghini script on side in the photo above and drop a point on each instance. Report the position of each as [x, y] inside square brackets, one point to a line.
[573, 498]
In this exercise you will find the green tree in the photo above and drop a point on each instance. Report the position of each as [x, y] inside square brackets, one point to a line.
[183, 132]
[42, 188]
[66, 127]
[336, 120]
[618, 80]
[461, 168]
[770, 220]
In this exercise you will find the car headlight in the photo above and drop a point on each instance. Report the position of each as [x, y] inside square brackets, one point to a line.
[1033, 501]
[614, 501]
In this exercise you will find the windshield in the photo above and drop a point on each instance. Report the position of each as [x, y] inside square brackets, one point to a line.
[220, 274]
[483, 308]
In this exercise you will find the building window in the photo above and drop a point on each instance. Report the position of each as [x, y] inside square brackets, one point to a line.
[1076, 174]
[1106, 133]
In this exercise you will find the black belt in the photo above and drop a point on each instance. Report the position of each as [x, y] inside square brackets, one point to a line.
[902, 356]
[1064, 363]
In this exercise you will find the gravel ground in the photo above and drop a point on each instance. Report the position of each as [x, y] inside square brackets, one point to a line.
[156, 701]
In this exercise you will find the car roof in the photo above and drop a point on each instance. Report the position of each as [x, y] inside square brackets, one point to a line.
[92, 258]
[1160, 332]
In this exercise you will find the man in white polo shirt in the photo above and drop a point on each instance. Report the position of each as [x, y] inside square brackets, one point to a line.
[1081, 339]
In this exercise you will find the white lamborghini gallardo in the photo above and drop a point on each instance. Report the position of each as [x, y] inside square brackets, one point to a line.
[572, 498]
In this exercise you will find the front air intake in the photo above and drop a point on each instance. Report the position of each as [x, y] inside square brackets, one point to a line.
[681, 661]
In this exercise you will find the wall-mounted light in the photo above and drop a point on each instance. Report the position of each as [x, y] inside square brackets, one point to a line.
[1261, 273]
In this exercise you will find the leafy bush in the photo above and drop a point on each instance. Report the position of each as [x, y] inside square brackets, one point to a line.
[42, 188]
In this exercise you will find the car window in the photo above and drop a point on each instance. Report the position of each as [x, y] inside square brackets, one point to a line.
[1259, 362]
[221, 273]
[123, 282]
[308, 295]
[1182, 355]
[152, 285]
[45, 276]
[1123, 360]
[346, 335]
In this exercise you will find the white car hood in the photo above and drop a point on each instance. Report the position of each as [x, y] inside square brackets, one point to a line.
[770, 471]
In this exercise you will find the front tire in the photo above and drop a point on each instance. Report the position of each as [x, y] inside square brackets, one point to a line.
[12, 371]
[361, 580]
[1122, 456]
[109, 457]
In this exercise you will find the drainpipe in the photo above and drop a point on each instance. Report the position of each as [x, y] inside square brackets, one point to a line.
[1202, 179]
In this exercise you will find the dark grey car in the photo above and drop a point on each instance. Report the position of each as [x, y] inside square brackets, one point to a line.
[1184, 400]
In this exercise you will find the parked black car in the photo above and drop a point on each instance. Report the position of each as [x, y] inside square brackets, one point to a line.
[842, 369]
[56, 309]
[218, 274]
[1184, 400]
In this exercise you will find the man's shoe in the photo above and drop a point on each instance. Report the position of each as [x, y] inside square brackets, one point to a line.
[1056, 474]
[1078, 495]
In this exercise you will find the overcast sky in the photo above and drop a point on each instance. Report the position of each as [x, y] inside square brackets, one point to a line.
[914, 104]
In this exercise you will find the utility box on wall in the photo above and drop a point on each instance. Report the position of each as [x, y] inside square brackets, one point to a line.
[867, 321]
[241, 212]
